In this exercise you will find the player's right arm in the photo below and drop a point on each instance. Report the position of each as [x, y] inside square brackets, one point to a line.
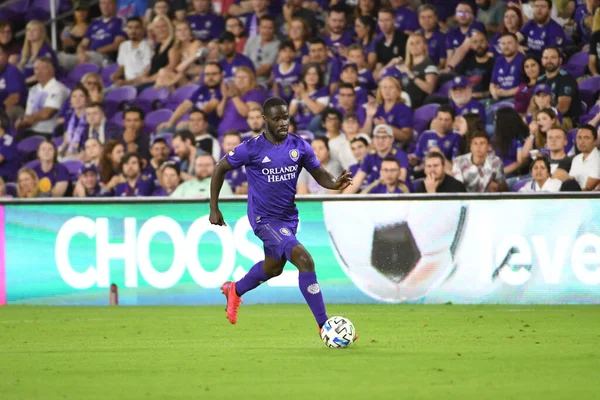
[216, 183]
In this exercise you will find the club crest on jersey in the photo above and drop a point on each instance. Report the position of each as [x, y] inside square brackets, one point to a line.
[294, 155]
[285, 231]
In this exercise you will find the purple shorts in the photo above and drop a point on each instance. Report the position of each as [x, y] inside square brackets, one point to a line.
[278, 237]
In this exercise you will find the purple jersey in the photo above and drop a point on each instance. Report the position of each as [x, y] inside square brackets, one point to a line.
[406, 19]
[495, 45]
[436, 46]
[143, 187]
[285, 80]
[58, 173]
[229, 68]
[10, 158]
[455, 37]
[12, 81]
[382, 188]
[236, 177]
[361, 97]
[511, 156]
[537, 38]
[304, 115]
[345, 40]
[366, 79]
[584, 31]
[101, 33]
[232, 120]
[507, 74]
[44, 51]
[472, 107]
[333, 68]
[400, 116]
[448, 144]
[203, 95]
[272, 175]
[372, 163]
[206, 27]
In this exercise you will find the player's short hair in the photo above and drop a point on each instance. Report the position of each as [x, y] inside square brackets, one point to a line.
[272, 102]
[560, 128]
[46, 60]
[351, 116]
[445, 108]
[129, 156]
[355, 46]
[590, 128]
[184, 136]
[338, 8]
[361, 139]
[391, 159]
[466, 3]
[435, 154]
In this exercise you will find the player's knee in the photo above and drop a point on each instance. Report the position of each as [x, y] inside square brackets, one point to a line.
[304, 262]
[275, 271]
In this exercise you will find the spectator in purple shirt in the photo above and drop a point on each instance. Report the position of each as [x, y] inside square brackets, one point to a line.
[310, 99]
[440, 138]
[205, 24]
[159, 151]
[330, 66]
[462, 100]
[346, 103]
[298, 34]
[389, 181]
[436, 40]
[13, 90]
[35, 46]
[53, 176]
[337, 38]
[260, 8]
[406, 19]
[513, 23]
[542, 31]
[102, 39]
[7, 39]
[349, 75]
[75, 123]
[532, 69]
[366, 37]
[239, 97]
[88, 184]
[232, 60]
[287, 72]
[360, 148]
[356, 55]
[9, 156]
[135, 183]
[170, 179]
[506, 76]
[459, 35]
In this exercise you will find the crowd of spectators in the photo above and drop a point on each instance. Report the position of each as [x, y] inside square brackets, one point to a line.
[142, 98]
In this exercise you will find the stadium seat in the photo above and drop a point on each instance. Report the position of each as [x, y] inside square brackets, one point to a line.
[520, 184]
[577, 63]
[11, 189]
[423, 115]
[28, 147]
[40, 9]
[15, 12]
[155, 118]
[58, 141]
[107, 72]
[167, 136]
[118, 99]
[73, 167]
[588, 90]
[179, 96]
[151, 99]
[32, 164]
[78, 72]
[444, 90]
[117, 119]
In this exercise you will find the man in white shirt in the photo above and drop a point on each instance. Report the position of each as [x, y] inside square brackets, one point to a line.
[134, 56]
[585, 168]
[43, 102]
[339, 146]
[263, 48]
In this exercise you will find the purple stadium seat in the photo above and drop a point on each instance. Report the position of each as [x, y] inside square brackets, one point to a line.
[444, 89]
[577, 63]
[14, 12]
[423, 115]
[40, 9]
[151, 99]
[180, 95]
[73, 166]
[117, 99]
[32, 164]
[517, 186]
[117, 119]
[58, 141]
[306, 135]
[167, 136]
[107, 72]
[156, 118]
[588, 90]
[11, 189]
[490, 113]
[78, 72]
[28, 146]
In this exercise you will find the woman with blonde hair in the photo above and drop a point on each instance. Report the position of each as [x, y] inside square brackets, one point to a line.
[27, 184]
[188, 48]
[391, 110]
[419, 73]
[239, 97]
[35, 46]
[94, 85]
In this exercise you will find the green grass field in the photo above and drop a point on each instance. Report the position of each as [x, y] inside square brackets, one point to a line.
[404, 352]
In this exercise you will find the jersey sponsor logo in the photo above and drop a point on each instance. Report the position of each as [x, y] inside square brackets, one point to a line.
[280, 174]
[294, 154]
[313, 289]
[285, 232]
[231, 153]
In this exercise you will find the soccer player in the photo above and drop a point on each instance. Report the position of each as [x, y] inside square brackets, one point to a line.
[273, 163]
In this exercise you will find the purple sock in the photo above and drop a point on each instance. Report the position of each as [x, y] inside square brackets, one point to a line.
[312, 294]
[252, 279]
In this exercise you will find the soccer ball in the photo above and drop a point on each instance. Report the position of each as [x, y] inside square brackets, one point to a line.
[338, 333]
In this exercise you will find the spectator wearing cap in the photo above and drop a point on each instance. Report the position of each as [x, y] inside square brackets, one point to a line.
[136, 140]
[198, 127]
[134, 55]
[440, 138]
[349, 76]
[339, 145]
[462, 100]
[337, 38]
[255, 122]
[199, 185]
[306, 183]
[346, 103]
[205, 24]
[97, 126]
[479, 171]
[88, 184]
[9, 156]
[542, 31]
[466, 24]
[531, 71]
[101, 41]
[391, 47]
[541, 99]
[565, 91]
[541, 180]
[262, 49]
[170, 179]
[310, 99]
[436, 180]
[389, 181]
[419, 73]
[436, 40]
[232, 60]
[506, 76]
[286, 72]
[383, 140]
[390, 110]
[53, 176]
[13, 90]
[360, 148]
[135, 184]
[585, 167]
[476, 65]
[237, 178]
[405, 19]
[206, 98]
[43, 102]
[330, 67]
[356, 55]
[159, 151]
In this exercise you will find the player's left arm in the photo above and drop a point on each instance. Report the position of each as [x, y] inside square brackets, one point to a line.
[328, 181]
